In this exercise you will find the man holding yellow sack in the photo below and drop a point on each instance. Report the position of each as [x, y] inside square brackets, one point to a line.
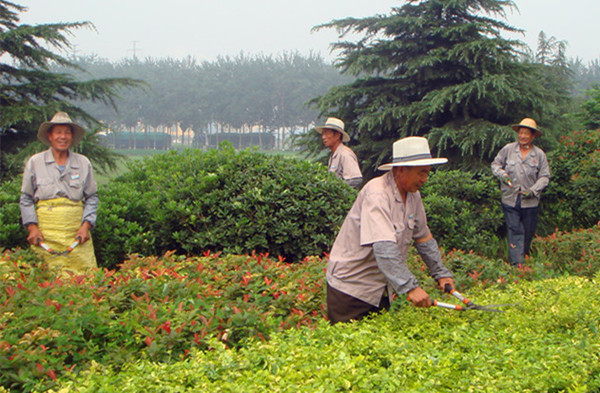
[59, 198]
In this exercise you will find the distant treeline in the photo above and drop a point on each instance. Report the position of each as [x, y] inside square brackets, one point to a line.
[234, 93]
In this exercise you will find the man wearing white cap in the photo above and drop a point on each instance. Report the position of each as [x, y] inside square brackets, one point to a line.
[59, 198]
[368, 258]
[342, 161]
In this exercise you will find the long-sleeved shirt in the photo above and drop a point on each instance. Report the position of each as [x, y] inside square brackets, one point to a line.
[42, 179]
[531, 173]
[344, 164]
[379, 216]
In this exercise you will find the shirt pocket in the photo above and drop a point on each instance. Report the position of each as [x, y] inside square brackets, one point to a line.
[404, 234]
[511, 168]
[44, 188]
[76, 184]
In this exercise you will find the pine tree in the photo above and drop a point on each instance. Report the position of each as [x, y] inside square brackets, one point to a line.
[439, 68]
[30, 93]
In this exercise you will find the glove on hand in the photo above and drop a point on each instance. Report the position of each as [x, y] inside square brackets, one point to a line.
[527, 194]
[507, 181]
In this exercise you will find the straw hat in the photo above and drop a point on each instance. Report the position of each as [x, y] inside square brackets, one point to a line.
[60, 118]
[412, 151]
[527, 123]
[333, 123]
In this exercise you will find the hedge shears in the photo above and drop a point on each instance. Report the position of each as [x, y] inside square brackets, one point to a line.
[468, 304]
[55, 253]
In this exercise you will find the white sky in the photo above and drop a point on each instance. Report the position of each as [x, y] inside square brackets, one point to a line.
[206, 29]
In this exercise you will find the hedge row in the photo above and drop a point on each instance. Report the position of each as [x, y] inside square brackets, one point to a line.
[547, 342]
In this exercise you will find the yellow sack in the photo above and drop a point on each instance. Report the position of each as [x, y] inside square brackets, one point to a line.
[59, 220]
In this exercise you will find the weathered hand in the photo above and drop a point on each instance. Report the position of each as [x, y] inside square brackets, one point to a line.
[419, 297]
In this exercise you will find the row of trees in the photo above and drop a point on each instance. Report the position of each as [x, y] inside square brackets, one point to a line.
[233, 93]
[430, 67]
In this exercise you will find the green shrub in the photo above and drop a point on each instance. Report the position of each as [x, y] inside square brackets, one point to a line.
[572, 198]
[221, 200]
[12, 233]
[463, 211]
[546, 343]
[159, 308]
[575, 253]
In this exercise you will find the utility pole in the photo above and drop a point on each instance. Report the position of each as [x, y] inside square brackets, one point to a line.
[134, 49]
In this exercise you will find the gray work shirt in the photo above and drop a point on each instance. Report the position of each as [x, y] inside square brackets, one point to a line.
[43, 180]
[344, 164]
[529, 173]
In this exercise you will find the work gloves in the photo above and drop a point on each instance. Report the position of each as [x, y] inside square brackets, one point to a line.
[526, 194]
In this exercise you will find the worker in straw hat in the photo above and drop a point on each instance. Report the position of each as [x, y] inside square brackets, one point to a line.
[524, 173]
[59, 198]
[342, 161]
[368, 258]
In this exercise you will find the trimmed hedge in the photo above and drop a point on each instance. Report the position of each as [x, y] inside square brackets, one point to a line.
[221, 200]
[546, 343]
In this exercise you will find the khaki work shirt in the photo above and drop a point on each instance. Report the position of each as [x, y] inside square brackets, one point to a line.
[531, 173]
[43, 180]
[344, 164]
[378, 214]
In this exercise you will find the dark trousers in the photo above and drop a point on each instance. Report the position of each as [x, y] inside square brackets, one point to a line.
[520, 224]
[342, 307]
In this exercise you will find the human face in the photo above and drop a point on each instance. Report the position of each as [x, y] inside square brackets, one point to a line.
[330, 138]
[411, 178]
[60, 137]
[526, 136]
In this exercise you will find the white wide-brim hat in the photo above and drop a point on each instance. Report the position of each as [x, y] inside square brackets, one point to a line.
[333, 123]
[64, 119]
[412, 151]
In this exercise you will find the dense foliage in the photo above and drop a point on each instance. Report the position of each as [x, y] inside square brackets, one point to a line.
[572, 198]
[30, 92]
[544, 344]
[161, 308]
[221, 200]
[463, 211]
[441, 68]
[213, 320]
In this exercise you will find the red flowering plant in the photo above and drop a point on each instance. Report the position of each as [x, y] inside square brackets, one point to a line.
[159, 308]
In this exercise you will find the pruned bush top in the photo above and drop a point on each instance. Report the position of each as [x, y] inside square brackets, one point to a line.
[221, 200]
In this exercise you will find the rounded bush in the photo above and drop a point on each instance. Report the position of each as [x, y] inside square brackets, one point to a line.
[221, 200]
[464, 211]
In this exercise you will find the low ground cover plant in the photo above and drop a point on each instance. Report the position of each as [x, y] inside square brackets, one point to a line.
[547, 342]
[163, 309]
[159, 308]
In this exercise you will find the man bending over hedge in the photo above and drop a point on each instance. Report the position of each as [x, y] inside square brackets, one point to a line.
[368, 258]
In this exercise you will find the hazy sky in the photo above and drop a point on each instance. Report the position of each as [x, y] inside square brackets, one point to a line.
[207, 29]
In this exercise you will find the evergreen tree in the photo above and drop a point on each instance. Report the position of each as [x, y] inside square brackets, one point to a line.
[438, 68]
[30, 93]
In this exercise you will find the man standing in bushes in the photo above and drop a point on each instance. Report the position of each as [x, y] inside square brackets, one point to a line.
[524, 173]
[368, 258]
[59, 197]
[342, 161]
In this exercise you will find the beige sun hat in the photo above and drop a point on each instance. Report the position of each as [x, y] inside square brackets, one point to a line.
[412, 151]
[527, 123]
[60, 118]
[333, 123]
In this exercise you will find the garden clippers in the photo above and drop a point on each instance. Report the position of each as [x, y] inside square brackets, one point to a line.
[468, 304]
[55, 253]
